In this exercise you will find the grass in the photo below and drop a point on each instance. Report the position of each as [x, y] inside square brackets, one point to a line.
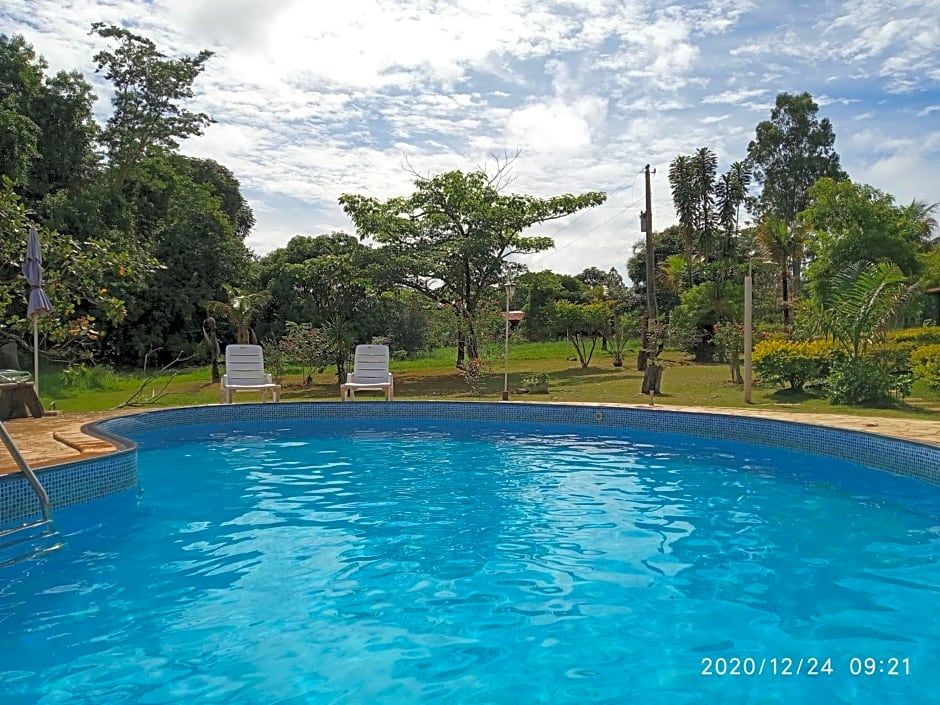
[435, 377]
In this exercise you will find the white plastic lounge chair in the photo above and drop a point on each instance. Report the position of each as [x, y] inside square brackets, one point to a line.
[244, 372]
[370, 371]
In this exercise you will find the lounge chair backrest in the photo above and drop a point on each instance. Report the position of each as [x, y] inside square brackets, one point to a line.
[370, 364]
[244, 364]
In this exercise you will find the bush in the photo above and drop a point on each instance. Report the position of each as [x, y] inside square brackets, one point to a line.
[856, 381]
[925, 362]
[792, 362]
[927, 335]
[536, 383]
[895, 357]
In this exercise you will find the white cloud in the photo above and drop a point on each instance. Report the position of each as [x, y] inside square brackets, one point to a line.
[316, 99]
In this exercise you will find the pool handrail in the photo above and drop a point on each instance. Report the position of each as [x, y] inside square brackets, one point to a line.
[28, 472]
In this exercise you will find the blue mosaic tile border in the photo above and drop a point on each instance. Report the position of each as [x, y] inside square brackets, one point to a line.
[916, 460]
[82, 481]
[67, 484]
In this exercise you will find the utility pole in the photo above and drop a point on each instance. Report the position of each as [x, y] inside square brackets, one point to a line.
[651, 308]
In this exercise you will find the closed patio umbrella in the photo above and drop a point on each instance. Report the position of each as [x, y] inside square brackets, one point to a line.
[39, 304]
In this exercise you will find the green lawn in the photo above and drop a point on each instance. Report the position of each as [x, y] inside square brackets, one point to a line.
[435, 377]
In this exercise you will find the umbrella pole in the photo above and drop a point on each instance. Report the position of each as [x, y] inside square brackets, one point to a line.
[36, 355]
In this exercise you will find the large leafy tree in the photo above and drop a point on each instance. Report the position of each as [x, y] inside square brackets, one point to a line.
[21, 75]
[84, 281]
[149, 90]
[451, 238]
[789, 153]
[336, 284]
[183, 218]
[850, 223]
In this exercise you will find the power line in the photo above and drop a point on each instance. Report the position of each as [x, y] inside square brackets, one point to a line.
[584, 235]
[585, 212]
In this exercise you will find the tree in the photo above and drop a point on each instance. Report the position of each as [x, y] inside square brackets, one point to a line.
[21, 74]
[692, 180]
[781, 244]
[241, 308]
[451, 238]
[731, 193]
[83, 281]
[66, 158]
[183, 224]
[148, 90]
[789, 153]
[850, 223]
[923, 215]
[682, 183]
[865, 301]
[582, 324]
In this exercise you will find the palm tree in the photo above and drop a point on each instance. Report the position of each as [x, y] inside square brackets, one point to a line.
[683, 198]
[240, 310]
[704, 169]
[865, 301]
[780, 243]
[731, 191]
[925, 222]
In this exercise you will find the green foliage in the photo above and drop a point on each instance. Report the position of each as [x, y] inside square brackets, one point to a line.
[692, 321]
[79, 278]
[536, 383]
[82, 377]
[148, 90]
[335, 278]
[925, 335]
[792, 362]
[863, 303]
[854, 223]
[926, 364]
[789, 153]
[451, 238]
[240, 310]
[855, 381]
[303, 346]
[582, 324]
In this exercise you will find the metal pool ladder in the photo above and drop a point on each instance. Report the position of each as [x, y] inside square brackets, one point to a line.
[33, 535]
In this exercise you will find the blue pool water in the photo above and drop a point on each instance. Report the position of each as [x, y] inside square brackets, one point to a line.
[445, 562]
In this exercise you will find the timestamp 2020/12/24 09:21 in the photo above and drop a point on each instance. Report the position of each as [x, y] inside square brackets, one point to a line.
[804, 666]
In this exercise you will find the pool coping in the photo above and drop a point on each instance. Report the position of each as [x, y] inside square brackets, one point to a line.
[85, 479]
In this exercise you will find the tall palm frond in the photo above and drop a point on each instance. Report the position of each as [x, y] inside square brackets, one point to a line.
[923, 215]
[240, 310]
[866, 299]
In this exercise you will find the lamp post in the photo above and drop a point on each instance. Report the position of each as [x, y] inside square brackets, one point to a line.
[510, 288]
[748, 330]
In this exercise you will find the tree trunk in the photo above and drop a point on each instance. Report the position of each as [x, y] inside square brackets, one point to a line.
[641, 356]
[786, 298]
[461, 341]
[736, 377]
[652, 378]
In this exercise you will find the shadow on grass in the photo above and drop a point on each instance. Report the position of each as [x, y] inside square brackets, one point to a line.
[795, 396]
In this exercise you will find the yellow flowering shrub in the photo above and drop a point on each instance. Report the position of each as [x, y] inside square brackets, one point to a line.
[793, 362]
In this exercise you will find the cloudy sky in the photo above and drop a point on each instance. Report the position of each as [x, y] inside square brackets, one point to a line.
[313, 98]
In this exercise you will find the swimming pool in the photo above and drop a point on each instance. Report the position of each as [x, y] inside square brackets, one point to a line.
[406, 558]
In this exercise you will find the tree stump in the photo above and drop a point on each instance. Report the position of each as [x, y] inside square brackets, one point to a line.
[652, 378]
[18, 397]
